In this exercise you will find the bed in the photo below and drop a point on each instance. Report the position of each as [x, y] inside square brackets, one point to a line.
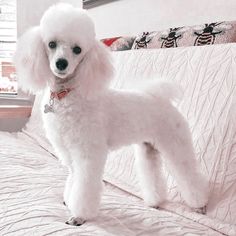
[32, 179]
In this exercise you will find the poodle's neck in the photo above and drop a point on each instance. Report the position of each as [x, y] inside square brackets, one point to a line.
[61, 84]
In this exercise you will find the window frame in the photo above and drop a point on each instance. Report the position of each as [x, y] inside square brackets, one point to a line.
[20, 97]
[88, 4]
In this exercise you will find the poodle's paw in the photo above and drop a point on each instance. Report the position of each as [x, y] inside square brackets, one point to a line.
[152, 205]
[75, 221]
[196, 201]
[201, 210]
[153, 202]
[197, 196]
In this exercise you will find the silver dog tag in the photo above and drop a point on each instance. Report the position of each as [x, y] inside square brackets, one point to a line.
[48, 108]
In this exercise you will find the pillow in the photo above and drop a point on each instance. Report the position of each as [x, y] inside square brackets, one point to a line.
[206, 34]
[119, 43]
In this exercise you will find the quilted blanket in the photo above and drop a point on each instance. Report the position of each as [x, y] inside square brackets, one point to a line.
[31, 190]
[32, 180]
[208, 78]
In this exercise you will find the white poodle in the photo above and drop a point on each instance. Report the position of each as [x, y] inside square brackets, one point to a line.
[85, 119]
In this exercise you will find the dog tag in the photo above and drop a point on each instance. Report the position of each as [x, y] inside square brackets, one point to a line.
[48, 108]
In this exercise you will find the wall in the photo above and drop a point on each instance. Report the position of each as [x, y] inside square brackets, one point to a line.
[29, 12]
[128, 17]
[12, 124]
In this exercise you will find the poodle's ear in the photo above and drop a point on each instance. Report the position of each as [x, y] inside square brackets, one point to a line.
[95, 71]
[32, 65]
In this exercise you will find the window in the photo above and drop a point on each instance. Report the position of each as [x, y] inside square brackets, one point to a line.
[8, 82]
[8, 79]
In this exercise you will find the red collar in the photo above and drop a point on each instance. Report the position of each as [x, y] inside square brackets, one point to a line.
[61, 94]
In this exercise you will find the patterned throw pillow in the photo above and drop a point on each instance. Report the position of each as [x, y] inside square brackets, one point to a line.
[119, 43]
[200, 35]
[213, 33]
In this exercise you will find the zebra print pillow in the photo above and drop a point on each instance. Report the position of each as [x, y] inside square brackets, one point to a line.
[211, 33]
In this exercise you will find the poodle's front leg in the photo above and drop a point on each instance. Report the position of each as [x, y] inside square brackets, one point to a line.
[87, 184]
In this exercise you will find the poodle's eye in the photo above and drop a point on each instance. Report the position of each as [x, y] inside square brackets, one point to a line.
[76, 50]
[52, 44]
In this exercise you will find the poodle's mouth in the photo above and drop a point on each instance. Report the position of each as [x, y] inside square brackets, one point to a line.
[62, 77]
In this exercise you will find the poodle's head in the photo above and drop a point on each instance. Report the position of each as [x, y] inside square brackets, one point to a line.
[68, 34]
[63, 47]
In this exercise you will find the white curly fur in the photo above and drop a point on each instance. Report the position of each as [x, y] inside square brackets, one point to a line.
[94, 119]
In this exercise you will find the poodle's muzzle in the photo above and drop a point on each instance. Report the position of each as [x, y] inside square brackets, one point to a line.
[64, 57]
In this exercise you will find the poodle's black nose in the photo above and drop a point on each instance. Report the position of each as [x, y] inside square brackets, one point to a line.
[61, 64]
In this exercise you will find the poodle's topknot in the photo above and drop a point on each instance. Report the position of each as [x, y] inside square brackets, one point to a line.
[65, 22]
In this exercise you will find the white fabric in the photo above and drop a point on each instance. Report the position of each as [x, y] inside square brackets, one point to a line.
[208, 77]
[31, 190]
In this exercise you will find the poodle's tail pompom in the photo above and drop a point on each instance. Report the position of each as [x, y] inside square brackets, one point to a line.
[32, 66]
[167, 90]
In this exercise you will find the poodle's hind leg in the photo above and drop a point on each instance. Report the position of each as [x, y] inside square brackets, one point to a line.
[149, 171]
[179, 158]
[190, 181]
[64, 157]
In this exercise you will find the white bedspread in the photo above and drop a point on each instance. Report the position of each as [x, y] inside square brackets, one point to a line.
[208, 78]
[32, 180]
[31, 190]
